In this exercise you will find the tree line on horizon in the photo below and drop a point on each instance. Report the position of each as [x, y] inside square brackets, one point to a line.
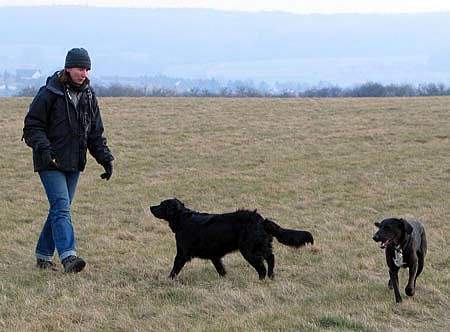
[369, 89]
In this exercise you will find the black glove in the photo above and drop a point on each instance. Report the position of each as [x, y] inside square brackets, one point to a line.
[108, 170]
[48, 159]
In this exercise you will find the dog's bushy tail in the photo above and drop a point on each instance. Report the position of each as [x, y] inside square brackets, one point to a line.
[288, 237]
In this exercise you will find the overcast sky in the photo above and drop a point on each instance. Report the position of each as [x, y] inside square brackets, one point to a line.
[295, 6]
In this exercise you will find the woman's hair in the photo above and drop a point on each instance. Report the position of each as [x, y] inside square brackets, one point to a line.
[63, 77]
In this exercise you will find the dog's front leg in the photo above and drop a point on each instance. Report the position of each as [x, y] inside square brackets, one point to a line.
[219, 266]
[393, 274]
[410, 287]
[178, 264]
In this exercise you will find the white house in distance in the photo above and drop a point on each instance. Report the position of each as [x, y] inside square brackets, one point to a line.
[25, 77]
[25, 74]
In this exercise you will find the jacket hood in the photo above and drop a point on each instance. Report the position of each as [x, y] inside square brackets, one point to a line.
[54, 85]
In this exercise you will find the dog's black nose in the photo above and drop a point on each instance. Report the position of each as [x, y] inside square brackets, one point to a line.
[376, 238]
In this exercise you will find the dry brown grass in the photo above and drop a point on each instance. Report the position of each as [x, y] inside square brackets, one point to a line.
[331, 166]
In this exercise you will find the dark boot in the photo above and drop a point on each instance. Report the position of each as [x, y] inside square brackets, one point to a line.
[45, 265]
[73, 264]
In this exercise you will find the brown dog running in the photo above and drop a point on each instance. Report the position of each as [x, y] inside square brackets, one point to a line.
[405, 244]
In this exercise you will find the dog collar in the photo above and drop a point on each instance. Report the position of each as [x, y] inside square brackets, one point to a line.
[398, 256]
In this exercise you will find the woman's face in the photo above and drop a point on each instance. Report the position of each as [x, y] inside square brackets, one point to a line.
[78, 75]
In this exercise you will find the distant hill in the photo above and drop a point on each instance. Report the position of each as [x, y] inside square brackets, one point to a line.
[198, 43]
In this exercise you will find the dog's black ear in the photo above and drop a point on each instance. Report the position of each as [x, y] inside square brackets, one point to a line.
[408, 228]
[377, 224]
[180, 204]
[177, 201]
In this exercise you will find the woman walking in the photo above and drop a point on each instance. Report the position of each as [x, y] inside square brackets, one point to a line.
[62, 123]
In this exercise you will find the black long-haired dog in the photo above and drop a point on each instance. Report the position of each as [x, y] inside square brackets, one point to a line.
[212, 236]
[405, 244]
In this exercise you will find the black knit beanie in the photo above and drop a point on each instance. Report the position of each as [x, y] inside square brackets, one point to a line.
[79, 58]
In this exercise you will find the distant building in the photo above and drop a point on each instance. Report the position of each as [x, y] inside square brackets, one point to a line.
[28, 74]
[24, 78]
[7, 90]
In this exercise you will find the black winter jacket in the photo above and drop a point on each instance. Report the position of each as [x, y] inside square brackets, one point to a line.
[54, 124]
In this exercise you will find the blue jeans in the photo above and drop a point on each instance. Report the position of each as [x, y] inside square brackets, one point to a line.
[58, 230]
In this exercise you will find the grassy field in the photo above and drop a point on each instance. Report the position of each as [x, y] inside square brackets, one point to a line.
[330, 166]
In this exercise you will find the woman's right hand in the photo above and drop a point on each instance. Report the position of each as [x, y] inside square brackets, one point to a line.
[49, 159]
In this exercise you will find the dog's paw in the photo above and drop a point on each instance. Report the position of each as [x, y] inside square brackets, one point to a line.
[410, 291]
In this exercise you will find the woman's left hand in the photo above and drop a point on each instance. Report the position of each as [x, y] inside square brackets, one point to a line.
[108, 170]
